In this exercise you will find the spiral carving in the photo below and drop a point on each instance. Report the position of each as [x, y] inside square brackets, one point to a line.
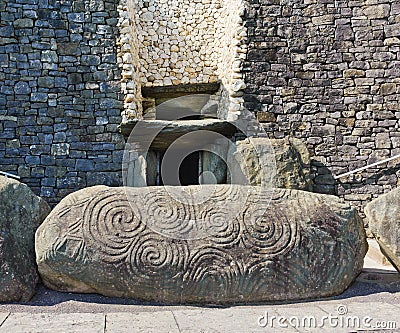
[219, 220]
[269, 234]
[261, 254]
[219, 225]
[262, 276]
[231, 193]
[186, 219]
[166, 215]
[110, 225]
[212, 271]
[154, 260]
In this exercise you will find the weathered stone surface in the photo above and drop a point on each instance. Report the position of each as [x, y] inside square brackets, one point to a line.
[332, 89]
[281, 245]
[163, 132]
[310, 69]
[21, 212]
[383, 216]
[377, 11]
[54, 62]
[255, 154]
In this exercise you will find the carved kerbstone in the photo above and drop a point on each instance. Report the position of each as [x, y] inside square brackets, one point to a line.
[236, 246]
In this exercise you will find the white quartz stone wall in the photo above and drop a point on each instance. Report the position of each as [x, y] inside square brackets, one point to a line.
[180, 42]
[128, 60]
[231, 48]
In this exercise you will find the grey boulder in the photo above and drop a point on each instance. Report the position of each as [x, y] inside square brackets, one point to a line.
[239, 244]
[383, 216]
[21, 213]
[282, 162]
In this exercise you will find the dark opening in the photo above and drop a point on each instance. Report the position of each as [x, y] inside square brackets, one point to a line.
[178, 102]
[194, 117]
[188, 171]
[164, 93]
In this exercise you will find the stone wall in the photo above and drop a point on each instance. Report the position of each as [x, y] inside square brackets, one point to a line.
[60, 98]
[72, 71]
[182, 42]
[329, 72]
[128, 60]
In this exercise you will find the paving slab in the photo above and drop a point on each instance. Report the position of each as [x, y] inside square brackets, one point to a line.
[368, 316]
[371, 315]
[375, 293]
[235, 319]
[150, 322]
[3, 317]
[54, 322]
[305, 319]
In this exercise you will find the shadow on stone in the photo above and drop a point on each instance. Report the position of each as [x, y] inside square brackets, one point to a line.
[323, 180]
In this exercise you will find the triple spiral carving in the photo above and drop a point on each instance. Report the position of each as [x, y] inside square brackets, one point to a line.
[107, 241]
[135, 232]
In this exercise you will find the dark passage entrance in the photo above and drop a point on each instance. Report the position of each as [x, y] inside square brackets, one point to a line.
[189, 169]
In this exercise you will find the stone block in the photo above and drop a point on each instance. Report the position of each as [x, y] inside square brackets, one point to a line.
[60, 82]
[60, 137]
[49, 56]
[388, 88]
[46, 82]
[383, 220]
[285, 163]
[392, 30]
[382, 141]
[23, 23]
[76, 17]
[71, 49]
[323, 131]
[322, 20]
[32, 160]
[75, 78]
[377, 11]
[353, 73]
[163, 245]
[344, 33]
[3, 60]
[22, 88]
[90, 60]
[84, 165]
[263, 117]
[60, 149]
[7, 31]
[39, 97]
[21, 212]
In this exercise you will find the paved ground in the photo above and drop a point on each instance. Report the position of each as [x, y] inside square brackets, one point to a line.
[371, 304]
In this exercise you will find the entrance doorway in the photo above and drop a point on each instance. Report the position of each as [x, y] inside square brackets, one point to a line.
[189, 169]
[188, 172]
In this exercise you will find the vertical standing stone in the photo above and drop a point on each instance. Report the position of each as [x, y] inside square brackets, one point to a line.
[21, 213]
[383, 219]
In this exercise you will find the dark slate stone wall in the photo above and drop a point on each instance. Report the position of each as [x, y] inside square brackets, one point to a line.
[60, 101]
[329, 72]
[324, 71]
